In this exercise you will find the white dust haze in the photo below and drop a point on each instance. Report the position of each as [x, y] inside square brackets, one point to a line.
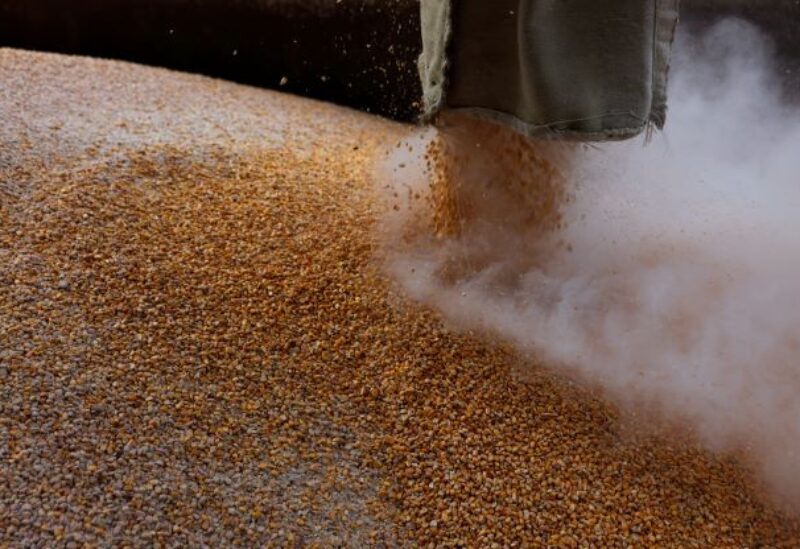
[680, 293]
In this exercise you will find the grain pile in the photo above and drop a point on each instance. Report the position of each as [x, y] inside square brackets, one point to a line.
[197, 346]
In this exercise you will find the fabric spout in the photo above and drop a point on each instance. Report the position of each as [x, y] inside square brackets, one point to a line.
[575, 69]
[435, 28]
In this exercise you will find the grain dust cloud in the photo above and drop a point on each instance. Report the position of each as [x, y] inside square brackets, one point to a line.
[666, 271]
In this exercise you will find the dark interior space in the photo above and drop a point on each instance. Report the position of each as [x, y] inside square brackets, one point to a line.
[359, 53]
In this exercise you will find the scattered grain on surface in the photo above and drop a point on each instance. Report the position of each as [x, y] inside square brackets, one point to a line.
[197, 346]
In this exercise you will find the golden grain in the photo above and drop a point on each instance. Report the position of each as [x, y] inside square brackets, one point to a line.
[198, 347]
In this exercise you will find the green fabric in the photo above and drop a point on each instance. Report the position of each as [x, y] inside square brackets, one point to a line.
[577, 69]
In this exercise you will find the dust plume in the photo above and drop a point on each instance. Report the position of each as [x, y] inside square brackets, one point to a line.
[667, 273]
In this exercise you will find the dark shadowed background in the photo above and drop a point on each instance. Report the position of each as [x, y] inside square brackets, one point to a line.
[360, 53]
